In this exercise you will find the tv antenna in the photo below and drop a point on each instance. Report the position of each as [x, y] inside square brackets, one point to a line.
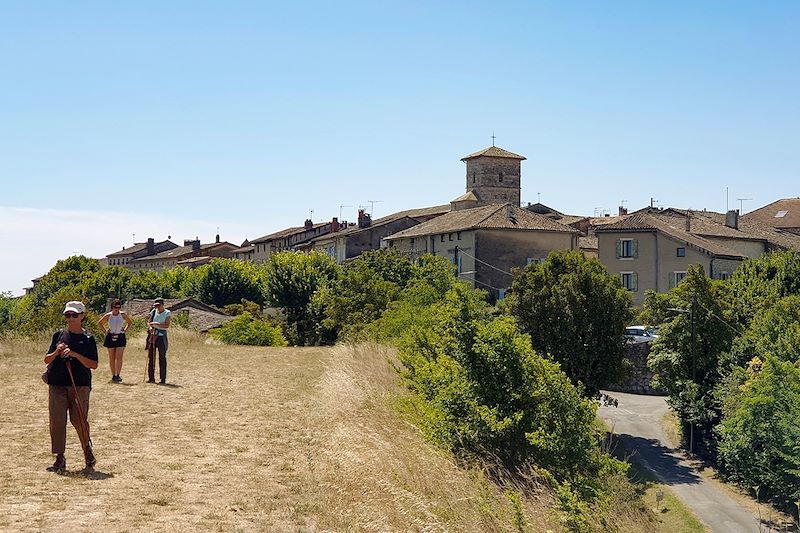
[372, 206]
[311, 214]
[134, 237]
[741, 209]
[340, 210]
[539, 197]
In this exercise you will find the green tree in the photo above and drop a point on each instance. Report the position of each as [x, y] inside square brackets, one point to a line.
[363, 290]
[691, 372]
[575, 312]
[227, 281]
[247, 330]
[758, 283]
[760, 433]
[146, 284]
[292, 278]
[107, 282]
[776, 331]
[8, 305]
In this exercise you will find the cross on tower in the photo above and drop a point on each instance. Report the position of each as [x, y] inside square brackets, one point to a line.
[493, 138]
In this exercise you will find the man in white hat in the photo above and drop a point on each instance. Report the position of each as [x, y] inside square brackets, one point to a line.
[76, 347]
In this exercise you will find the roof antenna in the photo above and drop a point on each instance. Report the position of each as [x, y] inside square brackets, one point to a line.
[340, 210]
[372, 206]
[134, 237]
[539, 197]
[741, 209]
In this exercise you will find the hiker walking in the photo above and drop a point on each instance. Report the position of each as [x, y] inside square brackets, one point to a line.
[114, 325]
[71, 358]
[160, 320]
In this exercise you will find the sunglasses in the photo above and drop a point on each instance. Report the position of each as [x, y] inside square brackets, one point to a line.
[71, 315]
[117, 307]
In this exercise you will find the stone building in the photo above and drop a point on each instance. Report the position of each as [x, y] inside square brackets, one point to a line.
[137, 251]
[493, 176]
[486, 242]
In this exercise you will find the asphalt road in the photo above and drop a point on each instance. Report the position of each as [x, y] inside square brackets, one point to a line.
[637, 423]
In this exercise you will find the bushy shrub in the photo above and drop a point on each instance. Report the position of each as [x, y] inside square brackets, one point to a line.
[760, 432]
[227, 281]
[247, 330]
[487, 393]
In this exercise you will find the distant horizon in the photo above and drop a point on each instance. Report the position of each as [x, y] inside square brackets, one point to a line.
[176, 119]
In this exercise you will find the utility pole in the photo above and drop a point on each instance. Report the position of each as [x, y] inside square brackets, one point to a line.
[692, 314]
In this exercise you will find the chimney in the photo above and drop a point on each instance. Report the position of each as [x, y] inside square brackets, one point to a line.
[334, 225]
[364, 220]
[196, 245]
[622, 211]
[510, 215]
[688, 221]
[151, 246]
[308, 224]
[732, 219]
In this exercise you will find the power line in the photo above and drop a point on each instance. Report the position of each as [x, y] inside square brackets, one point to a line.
[461, 251]
[712, 313]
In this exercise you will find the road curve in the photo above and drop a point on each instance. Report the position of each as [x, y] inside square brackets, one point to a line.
[637, 423]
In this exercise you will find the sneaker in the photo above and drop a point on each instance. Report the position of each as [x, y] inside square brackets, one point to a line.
[89, 456]
[119, 379]
[151, 381]
[162, 382]
[60, 465]
[114, 379]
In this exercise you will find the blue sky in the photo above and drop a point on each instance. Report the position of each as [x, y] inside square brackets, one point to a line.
[173, 118]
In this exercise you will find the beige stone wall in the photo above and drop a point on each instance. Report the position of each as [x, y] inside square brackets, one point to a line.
[656, 259]
[751, 249]
[509, 249]
[483, 176]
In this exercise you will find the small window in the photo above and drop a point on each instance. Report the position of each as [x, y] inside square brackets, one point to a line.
[681, 251]
[500, 177]
[627, 249]
[449, 236]
[412, 241]
[442, 237]
[458, 235]
[473, 177]
[679, 277]
[629, 281]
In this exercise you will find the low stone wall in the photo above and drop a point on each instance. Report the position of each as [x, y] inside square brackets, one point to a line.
[638, 379]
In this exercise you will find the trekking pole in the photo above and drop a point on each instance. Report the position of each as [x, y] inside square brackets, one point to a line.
[84, 422]
[151, 356]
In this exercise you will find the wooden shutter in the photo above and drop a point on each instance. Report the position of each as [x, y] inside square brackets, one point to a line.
[619, 248]
[672, 281]
[635, 248]
[634, 282]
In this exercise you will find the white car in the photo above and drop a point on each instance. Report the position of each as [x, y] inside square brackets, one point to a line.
[637, 334]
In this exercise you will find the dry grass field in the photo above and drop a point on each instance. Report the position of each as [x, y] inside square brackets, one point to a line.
[241, 439]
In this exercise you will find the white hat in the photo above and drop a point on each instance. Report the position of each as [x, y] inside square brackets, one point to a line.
[75, 307]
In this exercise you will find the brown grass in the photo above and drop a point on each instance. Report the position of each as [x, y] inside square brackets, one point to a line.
[243, 439]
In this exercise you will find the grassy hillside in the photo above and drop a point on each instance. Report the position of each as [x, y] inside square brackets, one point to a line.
[250, 439]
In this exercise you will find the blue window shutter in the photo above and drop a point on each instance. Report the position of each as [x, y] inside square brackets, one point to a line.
[634, 282]
[635, 246]
[619, 248]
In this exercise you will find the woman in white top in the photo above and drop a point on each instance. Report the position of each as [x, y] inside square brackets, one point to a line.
[114, 325]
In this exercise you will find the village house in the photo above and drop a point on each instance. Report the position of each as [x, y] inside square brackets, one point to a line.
[191, 254]
[653, 248]
[486, 242]
[245, 252]
[291, 238]
[367, 234]
[142, 249]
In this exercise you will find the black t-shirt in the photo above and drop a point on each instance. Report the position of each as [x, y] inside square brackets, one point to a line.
[84, 344]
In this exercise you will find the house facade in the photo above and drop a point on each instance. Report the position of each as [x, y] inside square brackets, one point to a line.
[291, 238]
[368, 234]
[191, 254]
[124, 257]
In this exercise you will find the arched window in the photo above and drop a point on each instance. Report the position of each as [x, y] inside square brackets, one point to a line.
[473, 177]
[501, 177]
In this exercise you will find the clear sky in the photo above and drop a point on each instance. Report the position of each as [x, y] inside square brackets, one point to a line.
[175, 118]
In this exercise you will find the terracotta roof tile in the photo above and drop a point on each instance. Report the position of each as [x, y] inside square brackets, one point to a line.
[494, 151]
[783, 213]
[645, 222]
[492, 216]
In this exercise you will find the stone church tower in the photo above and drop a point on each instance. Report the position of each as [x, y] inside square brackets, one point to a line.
[493, 176]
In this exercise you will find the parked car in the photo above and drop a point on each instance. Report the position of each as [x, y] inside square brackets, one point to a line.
[637, 334]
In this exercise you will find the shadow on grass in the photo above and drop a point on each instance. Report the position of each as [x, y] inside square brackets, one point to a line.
[86, 473]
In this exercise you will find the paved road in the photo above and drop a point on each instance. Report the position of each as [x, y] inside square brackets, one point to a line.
[637, 423]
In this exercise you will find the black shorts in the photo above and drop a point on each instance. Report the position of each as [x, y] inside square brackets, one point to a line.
[115, 340]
